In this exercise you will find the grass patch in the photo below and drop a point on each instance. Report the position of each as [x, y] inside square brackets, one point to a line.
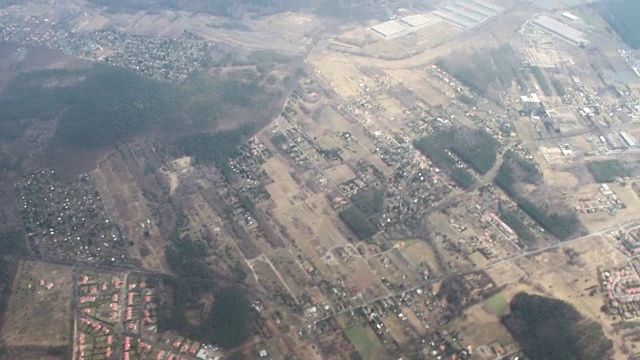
[360, 339]
[607, 171]
[497, 304]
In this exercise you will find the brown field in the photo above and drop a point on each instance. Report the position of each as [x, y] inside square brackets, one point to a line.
[360, 276]
[284, 32]
[36, 316]
[331, 120]
[124, 202]
[29, 353]
[267, 277]
[481, 327]
[506, 273]
[340, 173]
[414, 321]
[285, 191]
[429, 90]
[397, 329]
[417, 251]
[561, 179]
[551, 274]
[601, 220]
[336, 344]
[342, 77]
[290, 271]
[301, 215]
[308, 351]
[478, 259]
[392, 107]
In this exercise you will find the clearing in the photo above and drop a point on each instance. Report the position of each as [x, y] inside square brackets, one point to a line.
[39, 315]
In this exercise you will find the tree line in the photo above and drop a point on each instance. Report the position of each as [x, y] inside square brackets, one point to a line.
[552, 329]
[561, 226]
[476, 147]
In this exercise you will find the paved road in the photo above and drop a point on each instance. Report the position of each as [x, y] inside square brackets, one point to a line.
[487, 267]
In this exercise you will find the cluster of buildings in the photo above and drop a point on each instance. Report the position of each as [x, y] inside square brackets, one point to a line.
[607, 201]
[294, 143]
[108, 301]
[247, 167]
[68, 221]
[465, 14]
[414, 313]
[621, 288]
[179, 348]
[171, 59]
[93, 339]
[629, 243]
[468, 14]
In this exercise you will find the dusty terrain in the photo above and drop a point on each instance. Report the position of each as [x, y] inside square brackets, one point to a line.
[36, 316]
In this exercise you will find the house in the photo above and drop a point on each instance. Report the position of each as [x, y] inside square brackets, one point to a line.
[116, 282]
[194, 348]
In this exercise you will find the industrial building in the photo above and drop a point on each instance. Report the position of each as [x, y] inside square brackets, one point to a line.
[561, 30]
[468, 13]
[398, 27]
[631, 142]
[391, 29]
[532, 99]
[570, 16]
[559, 4]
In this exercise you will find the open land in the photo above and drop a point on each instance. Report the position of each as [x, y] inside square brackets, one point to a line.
[391, 203]
[40, 305]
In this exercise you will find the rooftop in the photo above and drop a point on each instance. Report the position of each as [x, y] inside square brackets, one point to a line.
[391, 28]
[561, 29]
[417, 20]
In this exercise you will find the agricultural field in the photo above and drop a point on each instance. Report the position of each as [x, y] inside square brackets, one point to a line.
[39, 310]
[321, 188]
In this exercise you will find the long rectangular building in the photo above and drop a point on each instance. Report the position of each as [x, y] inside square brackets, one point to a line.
[391, 29]
[467, 13]
[561, 30]
[628, 139]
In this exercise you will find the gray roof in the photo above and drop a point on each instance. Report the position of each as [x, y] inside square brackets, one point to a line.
[390, 28]
[561, 29]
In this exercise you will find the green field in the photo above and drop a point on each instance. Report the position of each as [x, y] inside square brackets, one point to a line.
[607, 171]
[360, 339]
[497, 304]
